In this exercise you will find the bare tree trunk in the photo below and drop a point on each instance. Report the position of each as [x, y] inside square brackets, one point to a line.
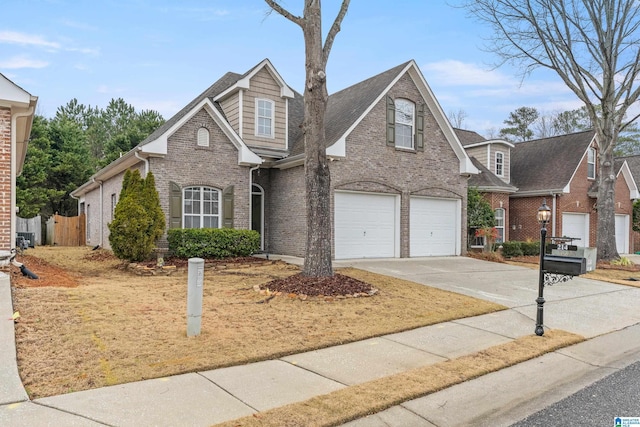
[317, 261]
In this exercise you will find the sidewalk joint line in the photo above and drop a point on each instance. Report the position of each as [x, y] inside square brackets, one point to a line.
[227, 391]
[71, 413]
[316, 373]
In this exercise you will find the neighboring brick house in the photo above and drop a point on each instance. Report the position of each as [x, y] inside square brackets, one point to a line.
[563, 170]
[515, 178]
[17, 107]
[634, 166]
[493, 159]
[234, 157]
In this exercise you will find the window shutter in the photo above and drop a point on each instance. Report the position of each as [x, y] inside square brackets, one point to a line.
[227, 207]
[391, 122]
[420, 128]
[175, 205]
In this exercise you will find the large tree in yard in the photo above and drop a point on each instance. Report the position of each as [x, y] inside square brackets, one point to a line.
[594, 47]
[317, 261]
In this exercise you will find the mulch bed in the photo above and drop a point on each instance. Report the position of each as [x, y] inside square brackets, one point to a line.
[48, 274]
[336, 285]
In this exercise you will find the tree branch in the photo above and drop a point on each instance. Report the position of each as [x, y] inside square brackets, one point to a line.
[282, 11]
[335, 28]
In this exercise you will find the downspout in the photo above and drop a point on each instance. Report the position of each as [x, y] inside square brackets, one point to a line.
[553, 215]
[146, 161]
[14, 171]
[101, 211]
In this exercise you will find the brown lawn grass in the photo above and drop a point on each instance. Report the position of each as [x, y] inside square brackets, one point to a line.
[88, 323]
[374, 396]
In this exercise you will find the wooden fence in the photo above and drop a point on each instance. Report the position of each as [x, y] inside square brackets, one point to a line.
[66, 231]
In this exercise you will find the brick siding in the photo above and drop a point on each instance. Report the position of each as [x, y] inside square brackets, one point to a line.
[6, 207]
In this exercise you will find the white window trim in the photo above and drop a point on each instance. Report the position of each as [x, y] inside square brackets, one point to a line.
[204, 141]
[500, 227]
[272, 118]
[501, 155]
[412, 124]
[201, 215]
[589, 151]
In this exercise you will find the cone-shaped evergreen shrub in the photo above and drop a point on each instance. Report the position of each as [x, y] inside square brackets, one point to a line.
[138, 219]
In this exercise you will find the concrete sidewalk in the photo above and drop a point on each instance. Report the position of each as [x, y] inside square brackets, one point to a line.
[589, 308]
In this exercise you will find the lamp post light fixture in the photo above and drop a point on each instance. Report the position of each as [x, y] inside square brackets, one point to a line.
[544, 216]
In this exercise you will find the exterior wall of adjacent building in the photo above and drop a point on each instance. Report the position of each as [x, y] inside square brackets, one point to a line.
[6, 207]
[500, 201]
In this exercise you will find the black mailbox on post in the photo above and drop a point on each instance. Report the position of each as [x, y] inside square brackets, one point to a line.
[566, 265]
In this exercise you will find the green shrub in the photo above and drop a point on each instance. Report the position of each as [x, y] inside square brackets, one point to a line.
[530, 248]
[138, 220]
[212, 242]
[512, 249]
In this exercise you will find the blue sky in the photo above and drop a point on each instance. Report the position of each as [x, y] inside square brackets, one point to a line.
[160, 54]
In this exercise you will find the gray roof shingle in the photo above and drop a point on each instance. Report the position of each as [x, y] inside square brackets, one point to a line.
[549, 163]
[468, 137]
[487, 181]
[348, 105]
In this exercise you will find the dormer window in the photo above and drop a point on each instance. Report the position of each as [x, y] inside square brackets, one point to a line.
[499, 164]
[203, 137]
[591, 163]
[265, 115]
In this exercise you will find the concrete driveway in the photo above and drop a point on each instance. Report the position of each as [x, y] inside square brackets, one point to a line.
[583, 306]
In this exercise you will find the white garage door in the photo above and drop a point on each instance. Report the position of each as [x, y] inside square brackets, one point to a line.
[577, 226]
[435, 227]
[366, 225]
[622, 234]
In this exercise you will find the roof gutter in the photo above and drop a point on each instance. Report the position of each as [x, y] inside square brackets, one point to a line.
[14, 170]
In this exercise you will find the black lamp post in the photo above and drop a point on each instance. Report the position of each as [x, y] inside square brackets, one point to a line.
[544, 215]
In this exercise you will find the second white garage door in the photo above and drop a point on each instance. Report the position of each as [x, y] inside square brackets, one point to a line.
[622, 234]
[366, 225]
[435, 227]
[576, 225]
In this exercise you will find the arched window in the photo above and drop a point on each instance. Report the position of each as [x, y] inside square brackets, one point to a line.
[405, 114]
[203, 137]
[201, 207]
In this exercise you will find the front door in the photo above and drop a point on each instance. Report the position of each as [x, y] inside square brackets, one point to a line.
[257, 212]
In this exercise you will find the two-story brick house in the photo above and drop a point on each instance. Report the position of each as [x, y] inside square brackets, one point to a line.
[561, 170]
[233, 157]
[17, 107]
[493, 160]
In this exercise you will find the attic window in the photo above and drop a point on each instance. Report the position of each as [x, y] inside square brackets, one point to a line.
[203, 137]
[264, 117]
[405, 112]
[591, 163]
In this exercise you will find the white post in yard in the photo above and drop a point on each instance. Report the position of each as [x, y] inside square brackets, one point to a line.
[194, 296]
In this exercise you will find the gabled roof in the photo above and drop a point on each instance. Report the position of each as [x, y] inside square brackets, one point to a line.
[629, 168]
[346, 108]
[634, 166]
[548, 165]
[487, 181]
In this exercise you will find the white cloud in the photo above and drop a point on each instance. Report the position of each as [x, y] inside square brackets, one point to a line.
[12, 37]
[87, 51]
[22, 62]
[457, 73]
